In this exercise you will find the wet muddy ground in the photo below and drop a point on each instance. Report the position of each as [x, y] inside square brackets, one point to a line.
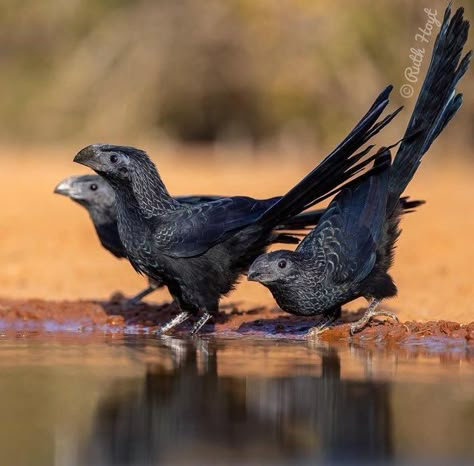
[117, 317]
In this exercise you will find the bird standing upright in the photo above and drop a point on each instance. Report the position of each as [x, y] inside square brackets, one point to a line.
[200, 251]
[98, 198]
[349, 253]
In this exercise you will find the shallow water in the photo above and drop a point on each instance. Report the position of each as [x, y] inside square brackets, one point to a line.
[91, 400]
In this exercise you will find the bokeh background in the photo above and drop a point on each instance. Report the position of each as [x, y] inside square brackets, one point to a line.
[227, 96]
[254, 71]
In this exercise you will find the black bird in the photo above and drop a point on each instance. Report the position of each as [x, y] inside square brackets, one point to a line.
[199, 251]
[350, 251]
[98, 198]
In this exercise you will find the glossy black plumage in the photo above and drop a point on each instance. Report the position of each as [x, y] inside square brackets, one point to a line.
[199, 251]
[349, 253]
[331, 265]
[98, 198]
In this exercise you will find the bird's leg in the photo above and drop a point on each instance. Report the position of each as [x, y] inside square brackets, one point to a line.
[179, 319]
[370, 313]
[198, 325]
[139, 296]
[325, 323]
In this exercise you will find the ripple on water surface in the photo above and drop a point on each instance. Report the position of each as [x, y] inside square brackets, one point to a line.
[121, 400]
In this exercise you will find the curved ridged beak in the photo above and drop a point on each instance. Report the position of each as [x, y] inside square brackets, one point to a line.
[254, 275]
[260, 271]
[89, 156]
[65, 187]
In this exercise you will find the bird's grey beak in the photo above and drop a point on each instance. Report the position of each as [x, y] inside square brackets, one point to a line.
[253, 275]
[69, 188]
[89, 156]
[260, 272]
[64, 187]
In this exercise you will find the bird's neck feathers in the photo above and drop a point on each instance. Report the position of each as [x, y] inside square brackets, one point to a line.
[150, 193]
[102, 210]
[142, 193]
[110, 238]
[102, 214]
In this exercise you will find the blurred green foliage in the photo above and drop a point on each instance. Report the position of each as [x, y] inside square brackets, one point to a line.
[203, 71]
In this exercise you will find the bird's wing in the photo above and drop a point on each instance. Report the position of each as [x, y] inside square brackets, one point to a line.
[344, 243]
[194, 229]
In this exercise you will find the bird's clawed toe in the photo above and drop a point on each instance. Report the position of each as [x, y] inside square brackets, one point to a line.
[324, 324]
[368, 316]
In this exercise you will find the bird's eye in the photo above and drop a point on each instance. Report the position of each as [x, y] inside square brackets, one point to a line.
[93, 187]
[282, 264]
[113, 158]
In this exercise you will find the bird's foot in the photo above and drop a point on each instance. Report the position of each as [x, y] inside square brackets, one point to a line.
[200, 323]
[134, 300]
[324, 324]
[370, 314]
[179, 319]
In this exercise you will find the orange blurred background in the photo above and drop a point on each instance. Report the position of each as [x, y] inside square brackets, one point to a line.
[235, 97]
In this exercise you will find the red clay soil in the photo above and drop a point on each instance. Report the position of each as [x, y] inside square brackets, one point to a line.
[18, 317]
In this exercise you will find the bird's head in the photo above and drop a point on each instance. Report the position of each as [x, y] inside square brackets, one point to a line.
[114, 163]
[274, 267]
[131, 174]
[86, 189]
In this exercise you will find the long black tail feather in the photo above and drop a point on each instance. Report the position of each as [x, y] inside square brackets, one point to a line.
[338, 167]
[436, 104]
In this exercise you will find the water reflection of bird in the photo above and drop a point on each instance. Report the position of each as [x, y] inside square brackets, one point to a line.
[341, 420]
[190, 414]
